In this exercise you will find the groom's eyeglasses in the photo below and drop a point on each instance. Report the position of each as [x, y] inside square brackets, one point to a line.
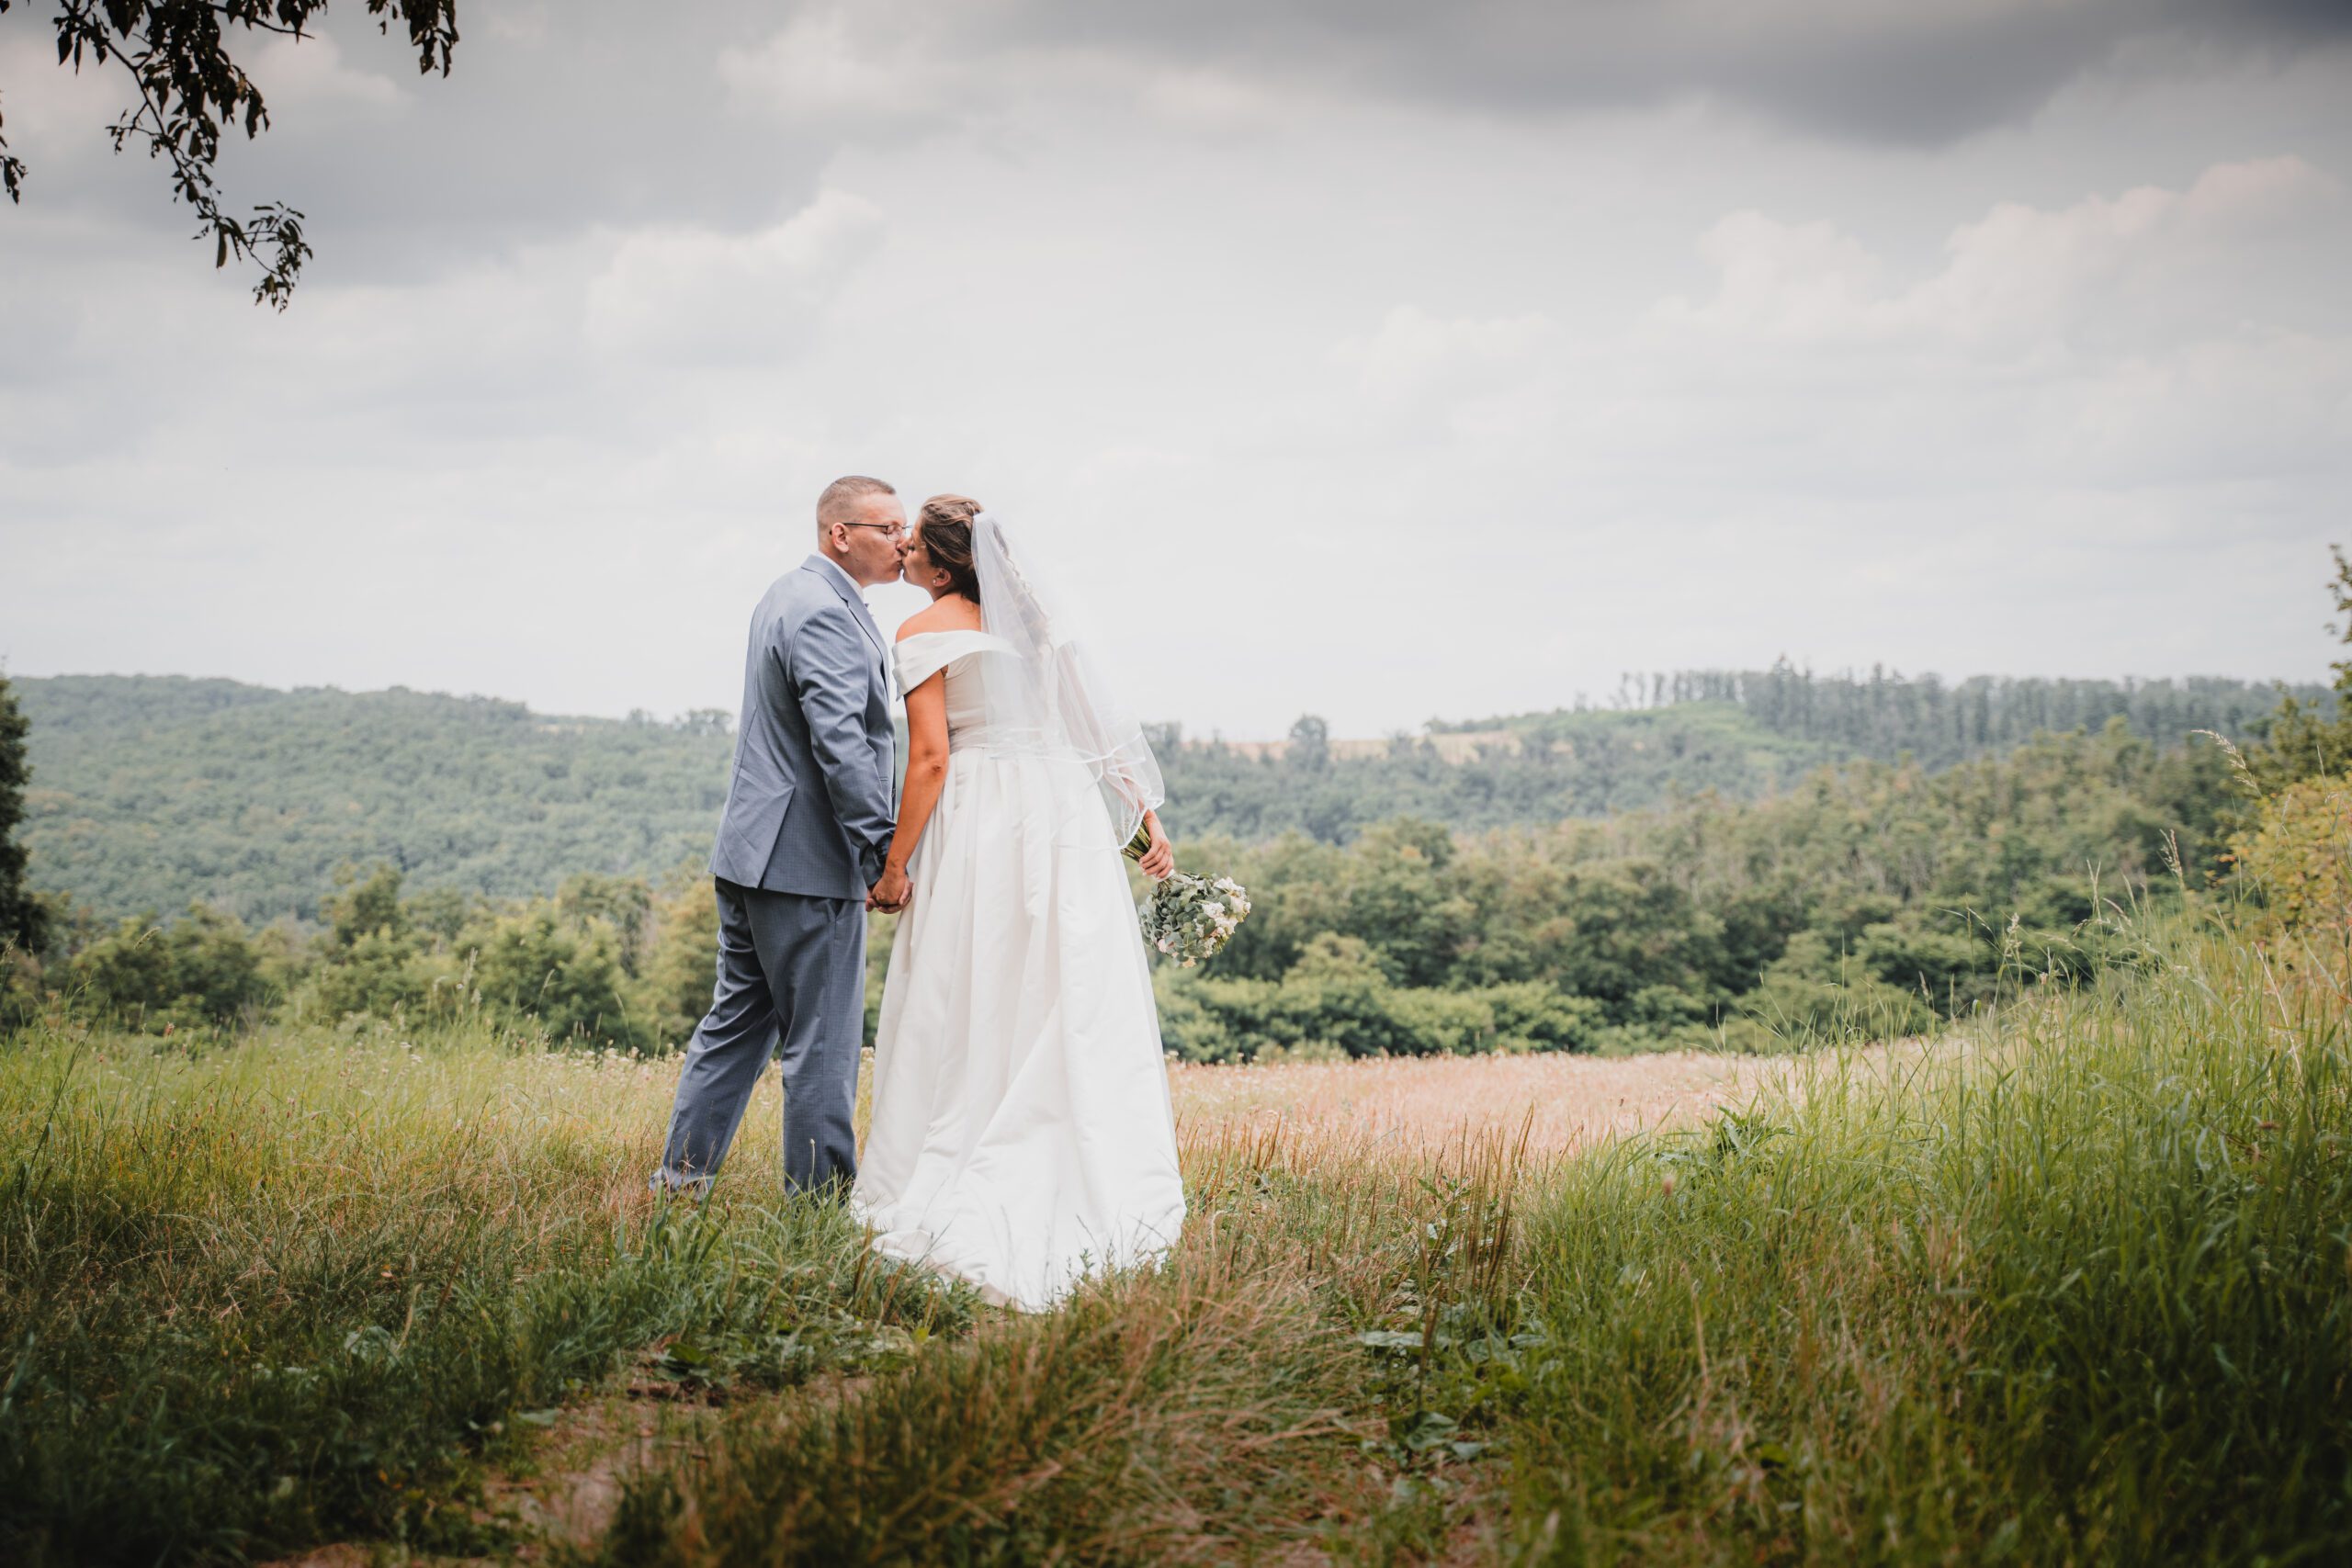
[889, 530]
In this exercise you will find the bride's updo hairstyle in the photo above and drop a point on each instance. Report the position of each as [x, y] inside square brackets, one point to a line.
[945, 525]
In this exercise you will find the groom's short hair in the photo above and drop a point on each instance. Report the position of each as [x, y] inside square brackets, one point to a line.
[844, 496]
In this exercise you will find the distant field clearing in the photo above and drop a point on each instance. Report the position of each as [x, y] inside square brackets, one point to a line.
[1564, 1101]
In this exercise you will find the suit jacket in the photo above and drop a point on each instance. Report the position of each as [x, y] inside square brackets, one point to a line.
[809, 806]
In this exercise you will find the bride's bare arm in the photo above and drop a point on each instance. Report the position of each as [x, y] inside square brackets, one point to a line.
[926, 771]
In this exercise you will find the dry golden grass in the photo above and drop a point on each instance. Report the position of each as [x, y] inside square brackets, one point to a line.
[1424, 1105]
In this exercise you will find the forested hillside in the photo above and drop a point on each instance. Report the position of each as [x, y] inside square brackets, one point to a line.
[1869, 899]
[1885, 716]
[153, 792]
[150, 792]
[1741, 734]
[1867, 902]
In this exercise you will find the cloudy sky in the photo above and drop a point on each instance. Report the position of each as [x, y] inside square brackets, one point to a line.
[1381, 359]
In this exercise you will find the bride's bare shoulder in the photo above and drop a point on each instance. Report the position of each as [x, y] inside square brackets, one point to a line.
[950, 614]
[926, 619]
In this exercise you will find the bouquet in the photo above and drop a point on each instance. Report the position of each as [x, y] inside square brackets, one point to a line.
[1190, 918]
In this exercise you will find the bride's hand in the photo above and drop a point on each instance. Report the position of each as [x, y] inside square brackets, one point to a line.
[1159, 862]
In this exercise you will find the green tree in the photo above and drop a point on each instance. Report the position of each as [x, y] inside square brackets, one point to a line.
[1311, 744]
[367, 906]
[1398, 898]
[681, 962]
[2310, 738]
[625, 903]
[189, 93]
[204, 968]
[23, 918]
[372, 957]
[533, 964]
[381, 971]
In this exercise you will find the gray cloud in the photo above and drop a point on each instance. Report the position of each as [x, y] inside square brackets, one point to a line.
[722, 114]
[1923, 71]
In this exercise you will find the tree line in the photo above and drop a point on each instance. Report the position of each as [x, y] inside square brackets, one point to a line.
[1886, 715]
[155, 792]
[1739, 734]
[1873, 899]
[1866, 896]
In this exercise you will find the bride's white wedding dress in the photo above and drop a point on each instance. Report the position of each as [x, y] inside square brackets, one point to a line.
[1022, 1134]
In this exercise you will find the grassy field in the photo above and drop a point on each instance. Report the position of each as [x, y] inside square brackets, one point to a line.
[2073, 1287]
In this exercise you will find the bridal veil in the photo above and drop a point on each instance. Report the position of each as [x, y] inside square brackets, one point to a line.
[1047, 697]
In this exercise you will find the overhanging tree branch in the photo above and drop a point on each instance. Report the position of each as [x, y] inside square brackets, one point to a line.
[189, 90]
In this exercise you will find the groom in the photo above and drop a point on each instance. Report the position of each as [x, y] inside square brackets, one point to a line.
[800, 853]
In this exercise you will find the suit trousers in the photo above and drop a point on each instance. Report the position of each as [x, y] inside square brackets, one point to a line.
[791, 984]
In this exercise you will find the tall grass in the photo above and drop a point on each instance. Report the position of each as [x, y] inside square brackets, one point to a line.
[2078, 1294]
[257, 1296]
[2072, 1286]
[1221, 1407]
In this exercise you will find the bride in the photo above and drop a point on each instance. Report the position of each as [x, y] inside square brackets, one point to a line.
[1022, 1136]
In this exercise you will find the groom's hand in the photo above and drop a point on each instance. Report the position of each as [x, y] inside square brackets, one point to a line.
[890, 893]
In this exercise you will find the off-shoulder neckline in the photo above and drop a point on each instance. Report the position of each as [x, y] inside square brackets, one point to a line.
[953, 631]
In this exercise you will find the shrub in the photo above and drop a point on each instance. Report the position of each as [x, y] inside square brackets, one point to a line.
[380, 972]
[1945, 964]
[2298, 857]
[531, 966]
[20, 986]
[203, 969]
[1813, 997]
[1335, 998]
[681, 960]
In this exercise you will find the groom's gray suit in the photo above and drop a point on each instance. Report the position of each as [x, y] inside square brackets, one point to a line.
[804, 835]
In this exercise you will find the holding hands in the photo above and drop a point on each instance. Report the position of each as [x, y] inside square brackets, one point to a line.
[890, 894]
